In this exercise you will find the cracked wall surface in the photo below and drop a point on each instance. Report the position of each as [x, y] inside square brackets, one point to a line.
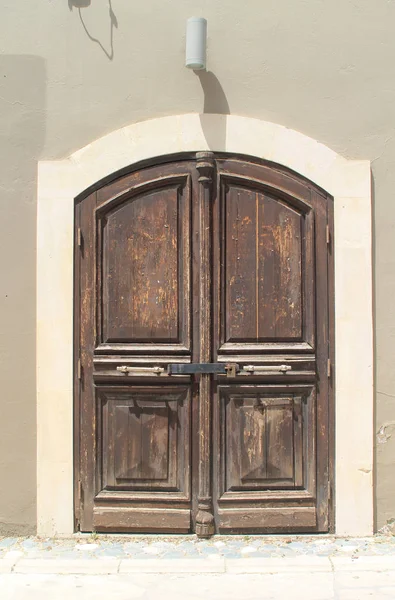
[322, 68]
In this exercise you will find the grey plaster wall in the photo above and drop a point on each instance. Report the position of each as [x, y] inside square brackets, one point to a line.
[69, 75]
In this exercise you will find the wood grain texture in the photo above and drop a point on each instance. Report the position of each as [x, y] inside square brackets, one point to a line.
[204, 259]
[266, 434]
[140, 269]
[146, 438]
[270, 239]
[263, 271]
[204, 518]
[141, 520]
[268, 520]
[143, 453]
[144, 250]
[86, 481]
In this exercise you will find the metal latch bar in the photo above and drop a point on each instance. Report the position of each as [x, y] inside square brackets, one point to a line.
[126, 369]
[228, 369]
[267, 368]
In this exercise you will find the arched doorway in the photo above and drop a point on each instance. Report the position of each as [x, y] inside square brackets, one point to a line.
[203, 341]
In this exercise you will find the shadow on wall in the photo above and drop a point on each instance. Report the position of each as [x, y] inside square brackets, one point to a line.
[215, 102]
[93, 37]
[22, 137]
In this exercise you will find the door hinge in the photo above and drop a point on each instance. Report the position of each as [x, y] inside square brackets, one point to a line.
[329, 492]
[80, 495]
[79, 369]
[328, 367]
[328, 235]
[79, 237]
[78, 504]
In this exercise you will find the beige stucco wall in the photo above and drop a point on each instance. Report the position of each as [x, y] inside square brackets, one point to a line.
[322, 68]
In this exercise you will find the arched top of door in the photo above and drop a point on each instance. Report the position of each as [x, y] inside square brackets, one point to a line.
[223, 171]
[263, 175]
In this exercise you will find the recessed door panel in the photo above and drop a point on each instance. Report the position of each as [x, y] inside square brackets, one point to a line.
[140, 276]
[266, 440]
[263, 267]
[267, 278]
[263, 440]
[144, 459]
[145, 438]
[144, 269]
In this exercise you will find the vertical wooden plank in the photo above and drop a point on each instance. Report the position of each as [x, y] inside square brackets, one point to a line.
[331, 351]
[218, 413]
[78, 248]
[184, 233]
[298, 441]
[280, 440]
[311, 425]
[241, 263]
[155, 443]
[127, 435]
[279, 266]
[196, 342]
[310, 277]
[107, 441]
[204, 518]
[230, 449]
[252, 442]
[322, 316]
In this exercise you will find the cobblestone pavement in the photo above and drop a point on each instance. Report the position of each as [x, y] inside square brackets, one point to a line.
[83, 546]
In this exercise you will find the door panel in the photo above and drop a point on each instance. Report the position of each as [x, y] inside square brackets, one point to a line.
[144, 268]
[140, 264]
[209, 258]
[266, 454]
[267, 278]
[263, 267]
[268, 519]
[133, 307]
[271, 269]
[263, 438]
[146, 439]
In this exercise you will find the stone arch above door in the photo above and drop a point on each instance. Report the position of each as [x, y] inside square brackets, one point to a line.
[60, 182]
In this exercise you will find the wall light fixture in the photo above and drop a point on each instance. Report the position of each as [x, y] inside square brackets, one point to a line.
[196, 42]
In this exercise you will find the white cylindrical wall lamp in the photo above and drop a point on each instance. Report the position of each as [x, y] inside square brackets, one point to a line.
[195, 56]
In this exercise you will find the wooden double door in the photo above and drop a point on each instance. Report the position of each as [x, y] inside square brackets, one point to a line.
[203, 317]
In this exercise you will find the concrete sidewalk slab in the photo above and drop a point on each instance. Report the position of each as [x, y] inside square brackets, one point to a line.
[207, 586]
[311, 564]
[363, 563]
[8, 563]
[106, 566]
[66, 567]
[181, 565]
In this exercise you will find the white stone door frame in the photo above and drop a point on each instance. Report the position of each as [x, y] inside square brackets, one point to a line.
[348, 181]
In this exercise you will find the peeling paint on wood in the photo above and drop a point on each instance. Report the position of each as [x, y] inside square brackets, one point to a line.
[210, 259]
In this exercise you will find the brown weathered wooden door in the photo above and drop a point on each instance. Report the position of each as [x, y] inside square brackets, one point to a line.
[202, 335]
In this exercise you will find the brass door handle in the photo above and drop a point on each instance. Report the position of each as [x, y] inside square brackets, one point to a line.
[267, 368]
[126, 369]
